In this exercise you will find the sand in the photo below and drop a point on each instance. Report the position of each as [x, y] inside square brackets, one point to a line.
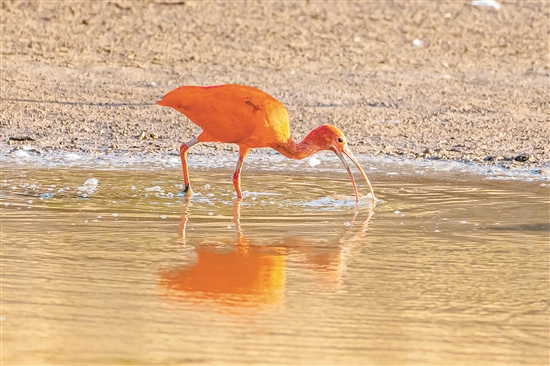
[421, 80]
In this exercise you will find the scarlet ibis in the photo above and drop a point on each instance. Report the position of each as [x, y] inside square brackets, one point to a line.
[251, 118]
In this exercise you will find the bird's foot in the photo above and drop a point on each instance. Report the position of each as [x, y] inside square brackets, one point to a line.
[186, 192]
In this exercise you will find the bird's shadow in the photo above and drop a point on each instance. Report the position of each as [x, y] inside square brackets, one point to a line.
[80, 104]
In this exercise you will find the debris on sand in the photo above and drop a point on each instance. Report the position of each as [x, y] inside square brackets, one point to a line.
[487, 3]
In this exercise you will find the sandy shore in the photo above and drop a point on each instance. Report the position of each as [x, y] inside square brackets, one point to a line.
[428, 80]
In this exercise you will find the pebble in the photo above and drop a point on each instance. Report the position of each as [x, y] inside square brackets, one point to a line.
[522, 158]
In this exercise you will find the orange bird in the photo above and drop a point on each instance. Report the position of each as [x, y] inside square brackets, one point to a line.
[251, 118]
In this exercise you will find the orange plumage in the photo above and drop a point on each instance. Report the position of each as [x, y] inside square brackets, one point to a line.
[250, 118]
[232, 114]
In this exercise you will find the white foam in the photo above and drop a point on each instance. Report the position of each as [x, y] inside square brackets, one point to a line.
[89, 186]
[21, 153]
[313, 162]
[72, 156]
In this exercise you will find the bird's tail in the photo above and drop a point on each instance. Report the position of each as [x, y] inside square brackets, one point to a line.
[176, 97]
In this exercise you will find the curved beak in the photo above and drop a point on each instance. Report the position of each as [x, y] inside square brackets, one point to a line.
[349, 154]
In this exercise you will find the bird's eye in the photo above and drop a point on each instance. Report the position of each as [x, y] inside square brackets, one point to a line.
[340, 140]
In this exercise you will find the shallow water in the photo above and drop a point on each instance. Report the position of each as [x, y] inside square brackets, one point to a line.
[449, 269]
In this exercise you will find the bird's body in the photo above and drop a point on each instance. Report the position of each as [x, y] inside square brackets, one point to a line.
[237, 114]
[250, 118]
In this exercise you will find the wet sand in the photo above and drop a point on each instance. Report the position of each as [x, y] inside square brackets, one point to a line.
[444, 80]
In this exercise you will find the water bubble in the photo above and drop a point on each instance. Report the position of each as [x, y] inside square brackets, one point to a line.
[462, 222]
[163, 216]
[417, 42]
[210, 213]
[347, 224]
[91, 182]
[154, 189]
[206, 186]
[89, 186]
[397, 212]
[437, 231]
[45, 196]
[29, 201]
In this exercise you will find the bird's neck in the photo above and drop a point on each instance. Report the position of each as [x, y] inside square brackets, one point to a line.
[308, 146]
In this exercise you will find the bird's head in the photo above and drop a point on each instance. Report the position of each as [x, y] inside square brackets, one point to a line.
[328, 137]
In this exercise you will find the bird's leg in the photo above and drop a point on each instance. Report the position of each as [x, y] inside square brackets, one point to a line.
[183, 154]
[237, 175]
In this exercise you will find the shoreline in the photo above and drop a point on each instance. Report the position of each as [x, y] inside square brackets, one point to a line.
[264, 161]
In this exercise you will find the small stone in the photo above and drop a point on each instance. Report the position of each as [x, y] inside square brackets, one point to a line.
[142, 136]
[153, 135]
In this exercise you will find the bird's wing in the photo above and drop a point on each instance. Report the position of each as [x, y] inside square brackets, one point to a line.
[226, 113]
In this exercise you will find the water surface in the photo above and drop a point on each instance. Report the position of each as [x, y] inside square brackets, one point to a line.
[447, 269]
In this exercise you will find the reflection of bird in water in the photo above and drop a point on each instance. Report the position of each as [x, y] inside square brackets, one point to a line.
[244, 276]
[251, 118]
[240, 276]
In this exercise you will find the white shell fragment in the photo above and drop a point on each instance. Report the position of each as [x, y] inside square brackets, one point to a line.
[487, 3]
